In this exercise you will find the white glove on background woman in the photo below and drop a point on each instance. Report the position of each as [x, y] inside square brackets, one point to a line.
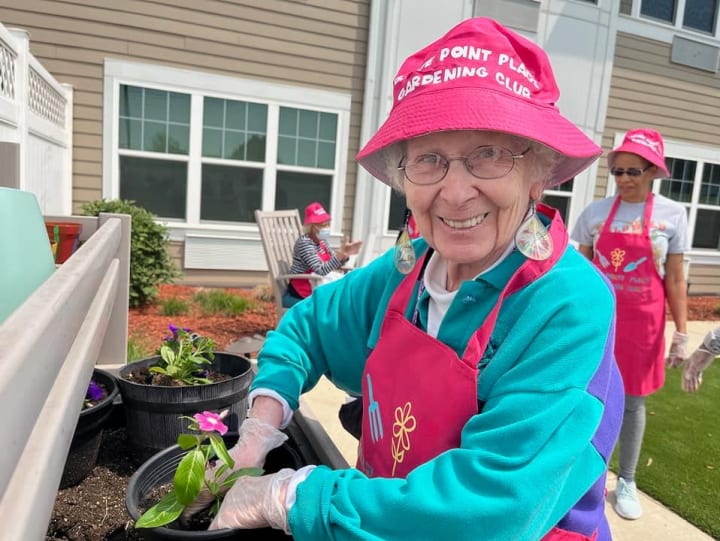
[256, 439]
[678, 350]
[701, 358]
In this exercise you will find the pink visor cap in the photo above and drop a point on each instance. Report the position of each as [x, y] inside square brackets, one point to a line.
[316, 214]
[479, 76]
[647, 144]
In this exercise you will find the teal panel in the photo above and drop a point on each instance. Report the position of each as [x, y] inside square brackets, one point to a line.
[27, 260]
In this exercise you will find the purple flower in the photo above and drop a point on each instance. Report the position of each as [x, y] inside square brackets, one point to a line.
[94, 392]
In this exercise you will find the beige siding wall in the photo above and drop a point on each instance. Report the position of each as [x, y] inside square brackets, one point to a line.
[313, 43]
[681, 102]
[704, 280]
[648, 90]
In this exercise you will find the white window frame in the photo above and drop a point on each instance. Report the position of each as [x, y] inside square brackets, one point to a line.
[664, 31]
[692, 152]
[198, 85]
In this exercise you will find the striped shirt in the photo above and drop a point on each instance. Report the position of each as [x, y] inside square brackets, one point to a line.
[306, 260]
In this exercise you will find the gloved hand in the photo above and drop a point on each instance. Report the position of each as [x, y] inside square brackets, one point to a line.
[678, 350]
[256, 502]
[701, 358]
[256, 439]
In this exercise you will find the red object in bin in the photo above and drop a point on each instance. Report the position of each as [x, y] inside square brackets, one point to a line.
[64, 238]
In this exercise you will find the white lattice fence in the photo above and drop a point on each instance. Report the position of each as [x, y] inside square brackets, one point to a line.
[7, 71]
[35, 126]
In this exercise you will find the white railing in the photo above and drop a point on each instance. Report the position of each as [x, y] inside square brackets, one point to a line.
[35, 126]
[76, 319]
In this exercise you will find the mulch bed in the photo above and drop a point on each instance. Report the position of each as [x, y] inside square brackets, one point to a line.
[94, 510]
[703, 308]
[148, 326]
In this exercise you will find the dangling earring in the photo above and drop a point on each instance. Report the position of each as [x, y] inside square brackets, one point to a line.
[404, 251]
[532, 239]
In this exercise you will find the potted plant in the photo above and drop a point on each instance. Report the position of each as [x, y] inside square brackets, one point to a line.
[97, 407]
[161, 393]
[166, 483]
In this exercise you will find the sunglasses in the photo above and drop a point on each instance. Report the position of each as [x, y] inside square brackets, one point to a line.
[632, 172]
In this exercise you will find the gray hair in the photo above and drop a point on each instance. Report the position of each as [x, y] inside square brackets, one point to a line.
[542, 163]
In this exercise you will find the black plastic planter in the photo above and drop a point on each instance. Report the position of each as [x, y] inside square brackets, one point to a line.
[87, 437]
[153, 413]
[159, 469]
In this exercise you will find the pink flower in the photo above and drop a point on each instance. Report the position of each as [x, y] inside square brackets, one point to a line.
[211, 422]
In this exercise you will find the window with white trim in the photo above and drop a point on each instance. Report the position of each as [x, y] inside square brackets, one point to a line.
[559, 197]
[693, 15]
[154, 137]
[695, 184]
[211, 151]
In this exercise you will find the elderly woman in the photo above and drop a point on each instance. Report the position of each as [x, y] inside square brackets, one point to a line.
[312, 254]
[491, 399]
[638, 239]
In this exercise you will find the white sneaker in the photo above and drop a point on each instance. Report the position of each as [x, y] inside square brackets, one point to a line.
[627, 503]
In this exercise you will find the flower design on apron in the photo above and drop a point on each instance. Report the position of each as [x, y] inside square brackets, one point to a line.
[404, 424]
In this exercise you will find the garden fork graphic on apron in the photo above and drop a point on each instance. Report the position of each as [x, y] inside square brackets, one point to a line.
[376, 429]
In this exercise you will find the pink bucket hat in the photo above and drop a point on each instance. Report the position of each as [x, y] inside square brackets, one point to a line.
[316, 214]
[479, 76]
[646, 143]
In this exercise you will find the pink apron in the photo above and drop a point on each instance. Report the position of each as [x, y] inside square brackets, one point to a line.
[627, 260]
[408, 419]
[302, 286]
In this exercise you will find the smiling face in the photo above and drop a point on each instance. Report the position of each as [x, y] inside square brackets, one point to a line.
[467, 220]
[633, 189]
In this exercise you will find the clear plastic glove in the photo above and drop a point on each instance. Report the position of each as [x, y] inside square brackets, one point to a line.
[256, 439]
[678, 350]
[701, 358]
[256, 502]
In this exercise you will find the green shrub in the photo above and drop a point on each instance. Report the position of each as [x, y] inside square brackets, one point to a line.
[218, 302]
[174, 306]
[150, 261]
[717, 310]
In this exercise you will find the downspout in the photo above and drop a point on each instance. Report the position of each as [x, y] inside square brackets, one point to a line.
[372, 99]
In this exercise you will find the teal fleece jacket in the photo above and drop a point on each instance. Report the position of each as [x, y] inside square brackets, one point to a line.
[523, 462]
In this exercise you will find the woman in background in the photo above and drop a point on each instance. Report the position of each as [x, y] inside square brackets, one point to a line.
[637, 239]
[312, 254]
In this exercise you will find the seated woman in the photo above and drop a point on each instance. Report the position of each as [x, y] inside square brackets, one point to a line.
[312, 254]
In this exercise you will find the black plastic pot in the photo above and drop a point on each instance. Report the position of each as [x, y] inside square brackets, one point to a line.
[153, 413]
[87, 437]
[159, 469]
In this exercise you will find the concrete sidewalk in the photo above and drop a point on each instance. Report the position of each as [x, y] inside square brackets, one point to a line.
[657, 523]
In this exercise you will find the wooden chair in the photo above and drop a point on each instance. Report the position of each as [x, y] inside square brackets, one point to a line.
[279, 229]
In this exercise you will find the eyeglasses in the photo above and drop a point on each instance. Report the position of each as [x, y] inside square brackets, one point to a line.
[632, 172]
[485, 162]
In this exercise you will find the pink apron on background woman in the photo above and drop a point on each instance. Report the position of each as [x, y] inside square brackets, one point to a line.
[627, 260]
[408, 417]
[302, 286]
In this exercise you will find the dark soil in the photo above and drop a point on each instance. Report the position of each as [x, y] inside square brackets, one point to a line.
[143, 376]
[94, 510]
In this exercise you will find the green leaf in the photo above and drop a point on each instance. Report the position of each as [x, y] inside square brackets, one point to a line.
[188, 441]
[242, 472]
[167, 353]
[164, 512]
[189, 476]
[218, 446]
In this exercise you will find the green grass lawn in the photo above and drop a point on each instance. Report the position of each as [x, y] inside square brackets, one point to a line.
[680, 459]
